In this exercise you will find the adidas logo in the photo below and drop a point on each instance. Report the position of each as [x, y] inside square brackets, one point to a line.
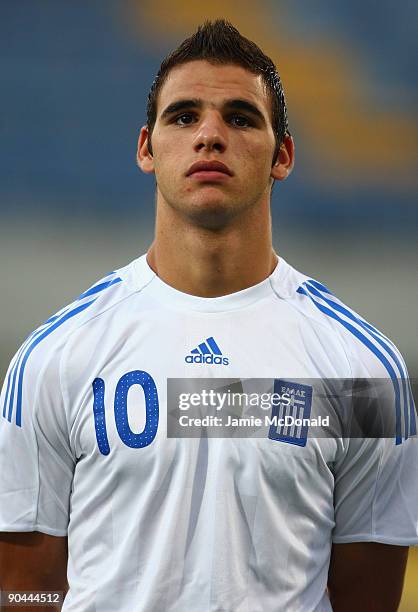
[207, 352]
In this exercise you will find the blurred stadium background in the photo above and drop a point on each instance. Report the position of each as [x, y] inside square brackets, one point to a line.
[75, 77]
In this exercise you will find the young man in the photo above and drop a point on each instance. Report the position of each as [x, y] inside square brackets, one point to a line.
[156, 524]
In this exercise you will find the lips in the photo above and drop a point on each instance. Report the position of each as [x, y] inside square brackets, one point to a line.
[209, 166]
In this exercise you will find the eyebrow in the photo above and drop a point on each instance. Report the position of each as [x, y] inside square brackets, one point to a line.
[246, 106]
[181, 105]
[235, 104]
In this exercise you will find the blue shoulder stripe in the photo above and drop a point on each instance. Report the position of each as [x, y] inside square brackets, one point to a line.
[408, 407]
[16, 372]
[320, 286]
[313, 283]
[16, 365]
[306, 290]
[99, 288]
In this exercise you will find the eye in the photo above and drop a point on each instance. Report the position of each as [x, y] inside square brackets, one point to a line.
[184, 119]
[240, 121]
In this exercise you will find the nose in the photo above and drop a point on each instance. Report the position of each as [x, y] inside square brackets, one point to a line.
[210, 135]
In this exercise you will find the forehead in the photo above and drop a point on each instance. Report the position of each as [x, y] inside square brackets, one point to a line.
[213, 82]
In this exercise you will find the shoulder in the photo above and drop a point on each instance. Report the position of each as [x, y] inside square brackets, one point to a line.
[370, 353]
[369, 349]
[38, 359]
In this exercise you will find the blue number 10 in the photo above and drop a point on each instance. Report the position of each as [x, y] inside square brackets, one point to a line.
[128, 437]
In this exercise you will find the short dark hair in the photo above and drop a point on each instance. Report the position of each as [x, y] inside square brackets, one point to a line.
[220, 43]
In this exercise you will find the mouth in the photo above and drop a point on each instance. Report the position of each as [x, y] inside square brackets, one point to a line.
[209, 171]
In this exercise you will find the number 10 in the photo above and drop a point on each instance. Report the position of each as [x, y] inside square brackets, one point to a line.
[128, 437]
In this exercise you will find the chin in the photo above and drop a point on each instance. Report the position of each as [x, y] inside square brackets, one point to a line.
[211, 216]
[211, 210]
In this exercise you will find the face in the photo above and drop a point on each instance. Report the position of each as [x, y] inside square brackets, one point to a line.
[213, 143]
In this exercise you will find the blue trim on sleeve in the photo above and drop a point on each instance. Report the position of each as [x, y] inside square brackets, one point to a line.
[99, 288]
[17, 370]
[378, 337]
[324, 289]
[383, 359]
[34, 344]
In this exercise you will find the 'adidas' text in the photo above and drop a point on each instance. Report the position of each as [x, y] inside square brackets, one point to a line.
[207, 359]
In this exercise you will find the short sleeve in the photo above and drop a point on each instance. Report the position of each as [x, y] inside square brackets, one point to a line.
[376, 492]
[36, 462]
[376, 478]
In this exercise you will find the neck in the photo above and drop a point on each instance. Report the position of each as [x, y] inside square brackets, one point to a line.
[212, 262]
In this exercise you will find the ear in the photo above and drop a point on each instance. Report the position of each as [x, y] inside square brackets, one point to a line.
[144, 158]
[285, 159]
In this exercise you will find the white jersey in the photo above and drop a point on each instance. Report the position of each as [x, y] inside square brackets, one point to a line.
[158, 524]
